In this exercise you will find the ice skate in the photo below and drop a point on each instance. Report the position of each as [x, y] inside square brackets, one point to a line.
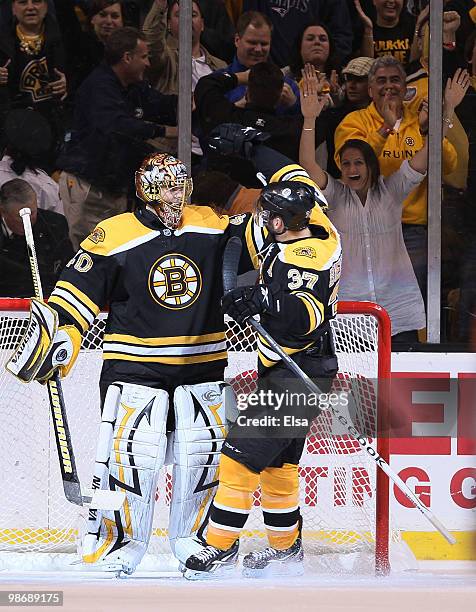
[273, 562]
[211, 563]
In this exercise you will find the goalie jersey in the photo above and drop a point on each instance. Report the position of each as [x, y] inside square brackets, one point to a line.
[162, 289]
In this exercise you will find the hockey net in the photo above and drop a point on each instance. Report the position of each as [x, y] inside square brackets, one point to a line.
[344, 499]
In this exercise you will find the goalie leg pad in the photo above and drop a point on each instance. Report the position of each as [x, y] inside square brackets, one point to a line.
[199, 435]
[130, 453]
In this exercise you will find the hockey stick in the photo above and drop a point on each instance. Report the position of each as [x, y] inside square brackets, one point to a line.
[100, 499]
[230, 266]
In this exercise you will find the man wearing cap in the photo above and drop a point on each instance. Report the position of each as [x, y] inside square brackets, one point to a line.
[356, 96]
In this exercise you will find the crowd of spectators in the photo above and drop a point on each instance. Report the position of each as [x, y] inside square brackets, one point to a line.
[88, 88]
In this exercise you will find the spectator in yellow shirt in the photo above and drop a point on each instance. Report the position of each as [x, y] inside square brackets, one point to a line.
[395, 135]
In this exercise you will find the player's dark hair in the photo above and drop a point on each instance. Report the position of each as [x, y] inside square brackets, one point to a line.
[265, 85]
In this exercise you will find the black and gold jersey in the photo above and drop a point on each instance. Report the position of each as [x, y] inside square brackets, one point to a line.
[307, 270]
[162, 289]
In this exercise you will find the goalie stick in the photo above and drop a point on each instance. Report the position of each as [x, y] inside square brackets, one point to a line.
[231, 258]
[97, 498]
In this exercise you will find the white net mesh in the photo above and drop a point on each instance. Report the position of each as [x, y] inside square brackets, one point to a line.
[338, 480]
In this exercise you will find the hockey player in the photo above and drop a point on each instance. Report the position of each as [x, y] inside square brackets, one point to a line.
[159, 271]
[296, 297]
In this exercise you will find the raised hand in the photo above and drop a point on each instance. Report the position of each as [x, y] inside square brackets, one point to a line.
[423, 116]
[422, 17]
[389, 111]
[456, 89]
[312, 102]
[365, 19]
[451, 22]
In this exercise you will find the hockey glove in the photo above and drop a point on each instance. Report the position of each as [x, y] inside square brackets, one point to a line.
[244, 302]
[235, 139]
[43, 347]
[63, 354]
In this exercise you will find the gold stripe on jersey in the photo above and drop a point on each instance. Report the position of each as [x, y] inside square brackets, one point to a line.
[85, 300]
[268, 357]
[318, 217]
[76, 303]
[292, 172]
[184, 360]
[165, 341]
[160, 350]
[73, 312]
[315, 309]
[312, 253]
[254, 237]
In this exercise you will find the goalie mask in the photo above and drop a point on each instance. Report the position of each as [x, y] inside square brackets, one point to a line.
[289, 200]
[163, 182]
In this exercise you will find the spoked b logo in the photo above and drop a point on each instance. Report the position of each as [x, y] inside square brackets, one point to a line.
[175, 281]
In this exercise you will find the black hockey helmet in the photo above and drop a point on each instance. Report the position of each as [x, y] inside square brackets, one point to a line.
[290, 200]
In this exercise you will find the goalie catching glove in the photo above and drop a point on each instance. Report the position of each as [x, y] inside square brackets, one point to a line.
[234, 139]
[244, 302]
[44, 348]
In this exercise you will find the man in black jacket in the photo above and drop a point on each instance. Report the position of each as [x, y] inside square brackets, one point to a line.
[50, 232]
[116, 112]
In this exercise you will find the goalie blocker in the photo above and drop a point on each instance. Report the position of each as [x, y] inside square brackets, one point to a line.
[44, 347]
[132, 448]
